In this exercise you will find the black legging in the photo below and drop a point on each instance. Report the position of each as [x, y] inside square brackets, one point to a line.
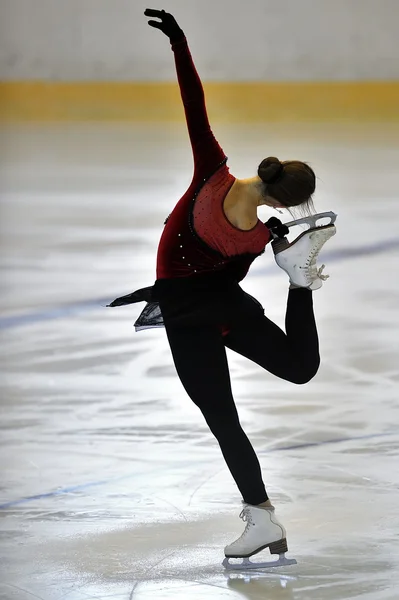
[200, 358]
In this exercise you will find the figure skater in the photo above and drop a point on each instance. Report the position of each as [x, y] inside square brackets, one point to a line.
[208, 244]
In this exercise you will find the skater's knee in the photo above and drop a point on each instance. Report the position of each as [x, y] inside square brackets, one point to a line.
[301, 379]
[305, 374]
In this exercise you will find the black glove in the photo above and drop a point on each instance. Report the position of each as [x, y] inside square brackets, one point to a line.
[277, 227]
[167, 25]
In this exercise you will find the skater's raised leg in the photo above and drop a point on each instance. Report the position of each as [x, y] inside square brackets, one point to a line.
[294, 355]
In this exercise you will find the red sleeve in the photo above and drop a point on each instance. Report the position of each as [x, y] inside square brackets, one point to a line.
[206, 150]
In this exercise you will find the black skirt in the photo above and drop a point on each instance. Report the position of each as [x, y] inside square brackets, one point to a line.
[213, 298]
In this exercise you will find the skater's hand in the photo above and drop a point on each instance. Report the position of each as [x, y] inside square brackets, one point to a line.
[277, 227]
[167, 25]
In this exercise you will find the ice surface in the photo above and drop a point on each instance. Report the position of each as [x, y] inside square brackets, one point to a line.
[111, 485]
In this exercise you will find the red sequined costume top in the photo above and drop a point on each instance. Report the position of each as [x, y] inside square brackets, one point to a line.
[198, 237]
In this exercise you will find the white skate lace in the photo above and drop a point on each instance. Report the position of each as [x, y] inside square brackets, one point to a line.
[319, 273]
[246, 516]
[312, 272]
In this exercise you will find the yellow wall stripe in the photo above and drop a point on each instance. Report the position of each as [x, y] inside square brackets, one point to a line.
[226, 102]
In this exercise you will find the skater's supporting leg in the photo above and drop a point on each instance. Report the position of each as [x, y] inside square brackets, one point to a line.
[293, 355]
[201, 363]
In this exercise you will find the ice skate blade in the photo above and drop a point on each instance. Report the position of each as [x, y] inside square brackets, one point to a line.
[312, 219]
[247, 564]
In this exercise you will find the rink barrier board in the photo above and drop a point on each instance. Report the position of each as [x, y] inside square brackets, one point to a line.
[226, 102]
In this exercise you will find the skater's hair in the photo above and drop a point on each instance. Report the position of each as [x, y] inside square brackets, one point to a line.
[290, 182]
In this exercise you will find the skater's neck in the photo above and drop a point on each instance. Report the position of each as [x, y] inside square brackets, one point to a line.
[249, 192]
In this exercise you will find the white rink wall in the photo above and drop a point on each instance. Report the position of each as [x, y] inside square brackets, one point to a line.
[231, 40]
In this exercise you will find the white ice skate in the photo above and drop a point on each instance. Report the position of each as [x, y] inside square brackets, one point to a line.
[263, 530]
[298, 258]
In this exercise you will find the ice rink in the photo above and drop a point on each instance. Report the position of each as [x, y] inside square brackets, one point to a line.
[112, 486]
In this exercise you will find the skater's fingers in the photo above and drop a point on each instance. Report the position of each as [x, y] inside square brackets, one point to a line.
[155, 24]
[167, 23]
[152, 12]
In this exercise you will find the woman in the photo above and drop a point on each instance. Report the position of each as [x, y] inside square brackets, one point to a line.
[207, 246]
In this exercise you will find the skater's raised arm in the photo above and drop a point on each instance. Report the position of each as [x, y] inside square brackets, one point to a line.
[206, 150]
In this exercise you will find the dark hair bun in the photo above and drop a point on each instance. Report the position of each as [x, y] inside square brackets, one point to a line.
[270, 169]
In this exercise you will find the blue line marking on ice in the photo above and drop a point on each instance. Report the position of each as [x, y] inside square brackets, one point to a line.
[78, 307]
[84, 486]
[55, 313]
[326, 442]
